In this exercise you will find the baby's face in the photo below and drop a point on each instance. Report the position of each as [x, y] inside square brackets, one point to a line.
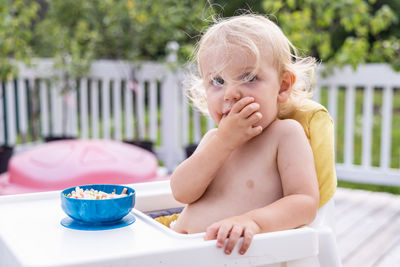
[224, 88]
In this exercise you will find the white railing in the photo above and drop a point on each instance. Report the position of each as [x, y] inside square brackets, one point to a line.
[370, 82]
[111, 102]
[125, 101]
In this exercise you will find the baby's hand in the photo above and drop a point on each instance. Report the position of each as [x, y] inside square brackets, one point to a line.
[239, 125]
[232, 229]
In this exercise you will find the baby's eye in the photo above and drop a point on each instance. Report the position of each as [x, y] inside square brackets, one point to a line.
[217, 81]
[253, 79]
[249, 78]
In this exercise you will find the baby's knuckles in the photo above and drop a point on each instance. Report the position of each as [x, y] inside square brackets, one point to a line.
[236, 128]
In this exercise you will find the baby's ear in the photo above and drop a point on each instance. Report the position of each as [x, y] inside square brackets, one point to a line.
[287, 81]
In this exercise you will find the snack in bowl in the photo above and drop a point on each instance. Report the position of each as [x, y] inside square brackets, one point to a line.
[116, 203]
[95, 194]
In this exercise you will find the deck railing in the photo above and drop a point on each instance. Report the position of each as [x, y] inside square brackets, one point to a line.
[126, 101]
[371, 117]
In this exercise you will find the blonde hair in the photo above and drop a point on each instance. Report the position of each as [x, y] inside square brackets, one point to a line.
[252, 32]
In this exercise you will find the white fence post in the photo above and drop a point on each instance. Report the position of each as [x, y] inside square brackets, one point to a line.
[172, 149]
[128, 95]
[94, 109]
[117, 109]
[386, 136]
[2, 122]
[140, 112]
[11, 118]
[153, 118]
[367, 125]
[349, 125]
[83, 103]
[105, 107]
[22, 108]
[72, 112]
[170, 129]
[57, 112]
[44, 107]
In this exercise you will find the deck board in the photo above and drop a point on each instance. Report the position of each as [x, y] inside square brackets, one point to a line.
[392, 258]
[368, 228]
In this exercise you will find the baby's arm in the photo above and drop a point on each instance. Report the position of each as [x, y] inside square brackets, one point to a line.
[296, 167]
[192, 177]
[298, 206]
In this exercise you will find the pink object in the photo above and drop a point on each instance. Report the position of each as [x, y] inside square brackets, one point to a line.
[62, 164]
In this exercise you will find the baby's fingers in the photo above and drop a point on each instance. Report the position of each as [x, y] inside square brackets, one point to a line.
[211, 232]
[238, 106]
[249, 109]
[255, 130]
[247, 238]
[254, 118]
[223, 233]
[234, 236]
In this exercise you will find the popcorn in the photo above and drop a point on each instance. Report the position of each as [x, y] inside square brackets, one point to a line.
[79, 193]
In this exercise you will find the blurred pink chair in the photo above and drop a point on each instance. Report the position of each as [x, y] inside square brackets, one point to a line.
[61, 164]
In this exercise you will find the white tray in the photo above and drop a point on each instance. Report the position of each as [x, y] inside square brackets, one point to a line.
[31, 235]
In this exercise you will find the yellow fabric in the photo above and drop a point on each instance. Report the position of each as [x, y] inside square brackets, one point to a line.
[167, 219]
[318, 126]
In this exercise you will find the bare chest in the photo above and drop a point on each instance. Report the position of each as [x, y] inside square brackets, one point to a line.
[249, 176]
[248, 179]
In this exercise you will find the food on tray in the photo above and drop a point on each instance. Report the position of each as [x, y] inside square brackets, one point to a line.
[79, 193]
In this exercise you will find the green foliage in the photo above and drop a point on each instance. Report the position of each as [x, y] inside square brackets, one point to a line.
[15, 33]
[228, 8]
[75, 32]
[161, 21]
[342, 31]
[117, 29]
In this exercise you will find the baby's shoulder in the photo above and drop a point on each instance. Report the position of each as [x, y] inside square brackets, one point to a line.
[286, 128]
[286, 125]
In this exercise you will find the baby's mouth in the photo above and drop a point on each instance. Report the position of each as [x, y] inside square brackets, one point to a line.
[226, 109]
[225, 112]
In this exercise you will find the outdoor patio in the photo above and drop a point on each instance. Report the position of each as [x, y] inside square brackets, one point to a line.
[367, 228]
[367, 223]
[113, 71]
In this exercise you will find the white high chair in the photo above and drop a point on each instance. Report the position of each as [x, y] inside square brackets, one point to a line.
[311, 246]
[31, 235]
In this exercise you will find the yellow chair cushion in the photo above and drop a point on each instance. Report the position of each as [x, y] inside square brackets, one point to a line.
[319, 128]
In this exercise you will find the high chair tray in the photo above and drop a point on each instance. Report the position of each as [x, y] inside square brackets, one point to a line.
[31, 235]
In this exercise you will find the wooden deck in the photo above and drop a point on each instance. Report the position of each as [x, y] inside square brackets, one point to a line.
[368, 228]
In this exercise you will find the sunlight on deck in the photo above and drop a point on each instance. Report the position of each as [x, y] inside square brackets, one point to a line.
[368, 228]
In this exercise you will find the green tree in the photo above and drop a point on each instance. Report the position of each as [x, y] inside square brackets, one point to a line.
[117, 29]
[228, 8]
[15, 34]
[340, 32]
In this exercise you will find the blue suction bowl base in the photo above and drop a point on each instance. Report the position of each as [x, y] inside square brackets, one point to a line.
[70, 223]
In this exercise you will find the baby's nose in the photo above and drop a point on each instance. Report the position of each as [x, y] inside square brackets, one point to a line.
[232, 93]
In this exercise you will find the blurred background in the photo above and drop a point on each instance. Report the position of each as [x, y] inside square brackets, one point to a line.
[75, 33]
[113, 69]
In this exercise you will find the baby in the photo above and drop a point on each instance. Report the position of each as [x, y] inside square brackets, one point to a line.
[255, 173]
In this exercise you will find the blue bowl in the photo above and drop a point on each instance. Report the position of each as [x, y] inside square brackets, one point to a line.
[98, 211]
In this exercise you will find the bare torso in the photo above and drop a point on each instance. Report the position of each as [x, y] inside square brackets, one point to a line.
[249, 179]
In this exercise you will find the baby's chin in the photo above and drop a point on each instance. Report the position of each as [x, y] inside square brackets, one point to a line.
[266, 124]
